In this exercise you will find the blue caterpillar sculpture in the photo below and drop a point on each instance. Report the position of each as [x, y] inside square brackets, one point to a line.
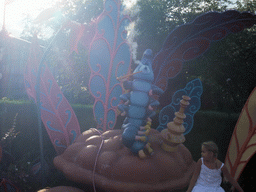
[138, 106]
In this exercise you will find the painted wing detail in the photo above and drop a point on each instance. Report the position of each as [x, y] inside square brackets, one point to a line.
[80, 33]
[36, 53]
[243, 141]
[57, 115]
[109, 58]
[194, 90]
[1, 153]
[191, 40]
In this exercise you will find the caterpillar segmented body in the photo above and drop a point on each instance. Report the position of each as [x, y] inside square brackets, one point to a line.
[138, 106]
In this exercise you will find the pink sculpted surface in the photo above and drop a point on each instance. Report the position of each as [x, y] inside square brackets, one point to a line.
[61, 189]
[117, 169]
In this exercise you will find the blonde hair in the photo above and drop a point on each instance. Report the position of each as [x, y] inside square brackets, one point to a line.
[211, 146]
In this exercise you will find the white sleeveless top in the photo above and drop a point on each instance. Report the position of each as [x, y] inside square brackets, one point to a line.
[209, 177]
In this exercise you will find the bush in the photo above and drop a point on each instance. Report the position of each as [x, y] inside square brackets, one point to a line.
[22, 152]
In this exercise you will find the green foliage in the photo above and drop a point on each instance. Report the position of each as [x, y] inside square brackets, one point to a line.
[73, 77]
[157, 18]
[6, 100]
[246, 5]
[19, 133]
[226, 71]
[152, 25]
[211, 125]
[9, 136]
[82, 11]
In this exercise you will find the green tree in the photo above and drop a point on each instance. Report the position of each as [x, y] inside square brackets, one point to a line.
[82, 11]
[157, 18]
[227, 69]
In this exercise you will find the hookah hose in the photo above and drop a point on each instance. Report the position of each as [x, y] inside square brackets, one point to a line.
[96, 159]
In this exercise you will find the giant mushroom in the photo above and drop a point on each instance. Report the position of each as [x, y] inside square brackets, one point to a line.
[101, 158]
[117, 169]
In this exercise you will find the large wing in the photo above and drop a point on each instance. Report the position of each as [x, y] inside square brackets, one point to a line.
[109, 58]
[0, 153]
[57, 115]
[243, 141]
[78, 33]
[36, 53]
[194, 90]
[191, 40]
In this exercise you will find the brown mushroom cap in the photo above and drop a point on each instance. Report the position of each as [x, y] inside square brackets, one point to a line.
[117, 169]
[61, 189]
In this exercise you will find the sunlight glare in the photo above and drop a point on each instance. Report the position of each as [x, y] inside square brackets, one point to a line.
[16, 11]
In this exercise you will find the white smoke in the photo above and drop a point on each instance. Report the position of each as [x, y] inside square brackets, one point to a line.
[131, 34]
[132, 9]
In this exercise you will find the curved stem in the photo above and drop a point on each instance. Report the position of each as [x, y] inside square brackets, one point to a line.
[40, 132]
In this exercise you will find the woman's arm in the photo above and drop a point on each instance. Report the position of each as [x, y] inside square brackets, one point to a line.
[195, 175]
[227, 175]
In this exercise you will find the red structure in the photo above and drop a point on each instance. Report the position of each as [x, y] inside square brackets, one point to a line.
[7, 186]
[0, 153]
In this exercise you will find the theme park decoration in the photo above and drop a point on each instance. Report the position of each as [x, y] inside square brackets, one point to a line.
[1, 153]
[56, 113]
[118, 169]
[139, 105]
[109, 58]
[194, 90]
[191, 40]
[173, 136]
[61, 189]
[8, 186]
[100, 156]
[243, 141]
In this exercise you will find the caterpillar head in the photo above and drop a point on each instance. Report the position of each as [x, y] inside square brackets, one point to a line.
[145, 67]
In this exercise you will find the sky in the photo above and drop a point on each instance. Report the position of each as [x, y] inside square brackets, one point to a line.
[16, 10]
